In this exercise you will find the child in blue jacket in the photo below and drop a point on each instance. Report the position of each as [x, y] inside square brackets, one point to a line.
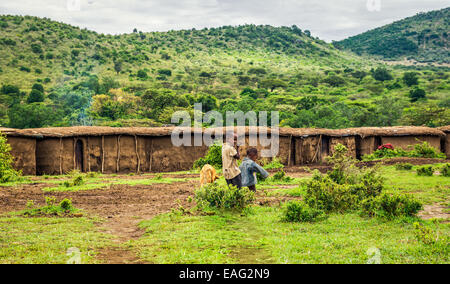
[248, 169]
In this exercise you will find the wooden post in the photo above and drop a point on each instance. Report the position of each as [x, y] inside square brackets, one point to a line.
[118, 153]
[137, 155]
[103, 154]
[88, 155]
[151, 157]
[60, 155]
[319, 146]
[74, 154]
[290, 151]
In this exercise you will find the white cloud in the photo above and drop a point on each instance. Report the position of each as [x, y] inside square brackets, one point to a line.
[328, 19]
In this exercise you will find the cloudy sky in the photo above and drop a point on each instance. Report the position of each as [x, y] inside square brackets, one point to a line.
[327, 19]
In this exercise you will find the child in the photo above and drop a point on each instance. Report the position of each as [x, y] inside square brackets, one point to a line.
[230, 156]
[248, 169]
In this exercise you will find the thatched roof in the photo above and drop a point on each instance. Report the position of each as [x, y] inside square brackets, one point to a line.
[445, 129]
[397, 131]
[167, 131]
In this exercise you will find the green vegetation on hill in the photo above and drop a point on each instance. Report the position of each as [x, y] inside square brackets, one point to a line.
[423, 38]
[53, 74]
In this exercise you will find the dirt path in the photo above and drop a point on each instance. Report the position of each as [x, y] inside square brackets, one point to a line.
[435, 211]
[121, 206]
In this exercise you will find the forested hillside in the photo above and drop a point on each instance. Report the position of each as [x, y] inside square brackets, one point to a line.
[53, 74]
[423, 38]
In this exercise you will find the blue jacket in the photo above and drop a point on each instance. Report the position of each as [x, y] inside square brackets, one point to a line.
[248, 169]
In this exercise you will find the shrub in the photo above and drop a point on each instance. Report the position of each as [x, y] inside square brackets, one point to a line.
[424, 234]
[35, 97]
[142, 74]
[382, 74]
[425, 150]
[279, 176]
[63, 209]
[165, 72]
[404, 167]
[445, 170]
[213, 157]
[7, 172]
[417, 94]
[391, 205]
[421, 150]
[295, 211]
[223, 197]
[325, 194]
[275, 164]
[343, 188]
[427, 171]
[25, 69]
[36, 48]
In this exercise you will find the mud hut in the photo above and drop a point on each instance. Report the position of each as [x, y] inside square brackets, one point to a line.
[109, 150]
[311, 146]
[23, 149]
[370, 138]
[126, 150]
[445, 142]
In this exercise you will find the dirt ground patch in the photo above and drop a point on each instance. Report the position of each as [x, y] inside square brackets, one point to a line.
[435, 211]
[123, 206]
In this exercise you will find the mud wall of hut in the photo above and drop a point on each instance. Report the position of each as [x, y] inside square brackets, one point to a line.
[284, 146]
[405, 141]
[24, 152]
[447, 145]
[349, 142]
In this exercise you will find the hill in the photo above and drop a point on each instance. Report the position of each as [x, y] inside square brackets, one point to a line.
[423, 38]
[54, 74]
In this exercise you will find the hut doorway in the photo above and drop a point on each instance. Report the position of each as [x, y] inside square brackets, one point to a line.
[325, 147]
[378, 142]
[79, 156]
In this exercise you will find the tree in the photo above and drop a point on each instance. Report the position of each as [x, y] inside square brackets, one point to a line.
[410, 79]
[38, 87]
[273, 84]
[36, 48]
[417, 94]
[334, 80]
[382, 74]
[33, 115]
[118, 66]
[142, 74]
[35, 97]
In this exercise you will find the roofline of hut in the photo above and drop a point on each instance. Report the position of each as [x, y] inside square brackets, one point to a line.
[76, 131]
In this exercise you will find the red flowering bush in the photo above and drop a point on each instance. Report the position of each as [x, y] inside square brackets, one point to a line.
[386, 146]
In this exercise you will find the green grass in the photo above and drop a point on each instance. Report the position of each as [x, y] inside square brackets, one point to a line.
[258, 236]
[261, 237]
[46, 240]
[429, 190]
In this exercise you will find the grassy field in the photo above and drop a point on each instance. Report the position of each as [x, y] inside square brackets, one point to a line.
[173, 236]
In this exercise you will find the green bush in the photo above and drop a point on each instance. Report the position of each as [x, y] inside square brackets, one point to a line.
[445, 170]
[213, 157]
[391, 205]
[421, 150]
[404, 167]
[343, 188]
[7, 172]
[295, 211]
[224, 197]
[280, 176]
[63, 209]
[425, 150]
[275, 164]
[425, 171]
